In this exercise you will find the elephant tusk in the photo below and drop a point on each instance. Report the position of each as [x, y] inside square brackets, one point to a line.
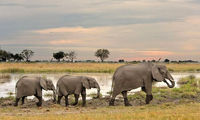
[172, 83]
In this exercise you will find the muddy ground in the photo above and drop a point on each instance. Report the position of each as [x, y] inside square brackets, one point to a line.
[101, 102]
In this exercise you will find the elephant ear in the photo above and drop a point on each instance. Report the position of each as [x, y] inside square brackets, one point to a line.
[43, 83]
[156, 74]
[85, 82]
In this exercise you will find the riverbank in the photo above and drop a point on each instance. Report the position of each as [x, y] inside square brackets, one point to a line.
[82, 67]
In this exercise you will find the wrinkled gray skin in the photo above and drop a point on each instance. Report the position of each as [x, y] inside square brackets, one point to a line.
[28, 86]
[142, 75]
[76, 85]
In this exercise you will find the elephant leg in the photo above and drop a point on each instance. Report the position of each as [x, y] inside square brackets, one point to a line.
[148, 89]
[59, 99]
[40, 101]
[112, 100]
[126, 103]
[66, 101]
[16, 101]
[23, 99]
[83, 95]
[76, 99]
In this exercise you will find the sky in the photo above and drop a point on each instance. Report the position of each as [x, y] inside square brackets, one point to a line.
[129, 29]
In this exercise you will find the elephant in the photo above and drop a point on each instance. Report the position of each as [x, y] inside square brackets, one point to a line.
[28, 86]
[128, 77]
[69, 84]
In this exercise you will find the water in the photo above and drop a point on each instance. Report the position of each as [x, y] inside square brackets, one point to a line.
[104, 80]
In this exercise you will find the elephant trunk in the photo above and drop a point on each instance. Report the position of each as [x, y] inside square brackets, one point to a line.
[54, 94]
[171, 79]
[98, 90]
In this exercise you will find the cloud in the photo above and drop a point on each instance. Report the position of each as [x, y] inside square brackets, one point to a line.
[62, 42]
[70, 30]
[128, 28]
[156, 53]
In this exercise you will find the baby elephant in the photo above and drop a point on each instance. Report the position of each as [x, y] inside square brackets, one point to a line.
[28, 86]
[67, 85]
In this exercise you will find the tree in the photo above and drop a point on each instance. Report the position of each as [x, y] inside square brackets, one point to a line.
[5, 56]
[27, 54]
[166, 60]
[102, 54]
[17, 57]
[59, 55]
[72, 56]
[121, 61]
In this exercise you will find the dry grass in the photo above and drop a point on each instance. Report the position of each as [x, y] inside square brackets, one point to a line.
[57, 67]
[81, 67]
[187, 67]
[167, 111]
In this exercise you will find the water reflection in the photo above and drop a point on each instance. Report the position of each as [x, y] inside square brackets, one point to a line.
[104, 80]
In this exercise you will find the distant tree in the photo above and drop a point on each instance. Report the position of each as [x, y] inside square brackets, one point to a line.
[143, 60]
[153, 61]
[166, 60]
[5, 56]
[102, 54]
[27, 54]
[59, 55]
[17, 57]
[9, 56]
[72, 56]
[121, 61]
[66, 55]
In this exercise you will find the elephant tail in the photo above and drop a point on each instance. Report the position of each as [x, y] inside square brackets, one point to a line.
[16, 91]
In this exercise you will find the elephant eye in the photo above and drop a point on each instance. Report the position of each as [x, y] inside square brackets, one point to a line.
[162, 71]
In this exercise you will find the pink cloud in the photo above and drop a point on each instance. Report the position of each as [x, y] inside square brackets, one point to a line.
[60, 42]
[138, 58]
[156, 53]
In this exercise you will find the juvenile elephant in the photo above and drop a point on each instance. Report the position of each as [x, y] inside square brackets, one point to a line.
[28, 86]
[67, 85]
[142, 75]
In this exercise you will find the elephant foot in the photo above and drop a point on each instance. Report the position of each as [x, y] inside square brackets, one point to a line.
[58, 102]
[74, 104]
[111, 103]
[126, 103]
[148, 98]
[39, 104]
[15, 104]
[54, 101]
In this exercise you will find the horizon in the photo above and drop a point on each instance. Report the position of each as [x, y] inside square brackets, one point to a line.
[130, 30]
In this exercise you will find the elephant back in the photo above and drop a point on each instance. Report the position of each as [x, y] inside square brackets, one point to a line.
[20, 80]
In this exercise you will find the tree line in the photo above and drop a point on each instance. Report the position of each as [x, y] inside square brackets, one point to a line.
[70, 56]
[25, 55]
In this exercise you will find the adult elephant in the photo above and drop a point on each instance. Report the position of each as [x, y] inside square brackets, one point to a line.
[68, 85]
[142, 75]
[28, 86]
